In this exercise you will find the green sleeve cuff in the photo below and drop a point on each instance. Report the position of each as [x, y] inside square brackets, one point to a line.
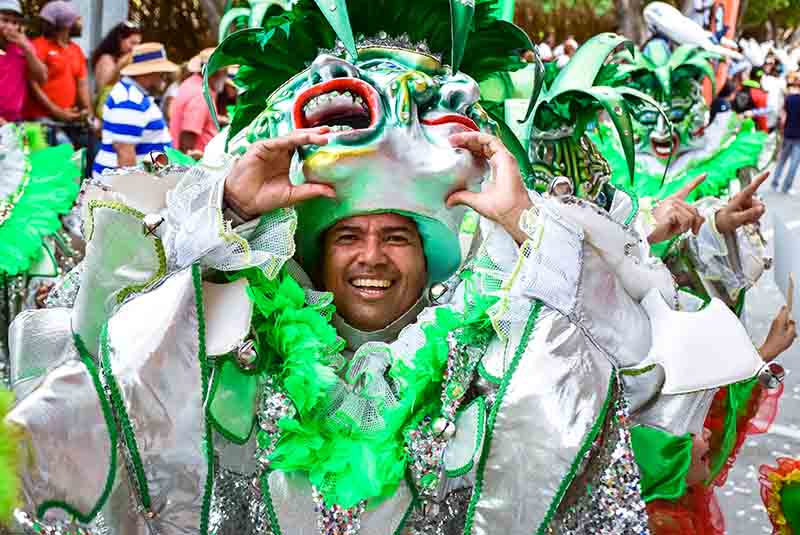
[663, 460]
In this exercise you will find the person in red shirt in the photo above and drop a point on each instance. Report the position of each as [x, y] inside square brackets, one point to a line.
[65, 95]
[18, 62]
[191, 124]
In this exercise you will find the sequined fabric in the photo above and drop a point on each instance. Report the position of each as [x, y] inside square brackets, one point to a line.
[237, 506]
[607, 499]
[440, 518]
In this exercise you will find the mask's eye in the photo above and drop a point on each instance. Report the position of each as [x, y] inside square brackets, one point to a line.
[647, 117]
[327, 67]
[677, 115]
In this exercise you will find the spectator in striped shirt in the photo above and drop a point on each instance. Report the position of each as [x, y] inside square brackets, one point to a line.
[133, 125]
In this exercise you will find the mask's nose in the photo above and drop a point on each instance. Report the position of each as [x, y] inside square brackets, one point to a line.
[407, 93]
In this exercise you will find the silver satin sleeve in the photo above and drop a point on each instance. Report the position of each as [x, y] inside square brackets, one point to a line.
[120, 261]
[197, 230]
[39, 341]
[154, 354]
[552, 401]
[66, 453]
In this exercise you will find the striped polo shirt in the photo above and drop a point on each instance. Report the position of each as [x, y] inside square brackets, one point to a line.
[130, 116]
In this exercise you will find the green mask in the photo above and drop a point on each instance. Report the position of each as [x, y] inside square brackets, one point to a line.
[674, 79]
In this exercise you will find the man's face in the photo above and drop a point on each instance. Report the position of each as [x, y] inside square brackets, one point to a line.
[77, 28]
[375, 267]
[9, 22]
[154, 82]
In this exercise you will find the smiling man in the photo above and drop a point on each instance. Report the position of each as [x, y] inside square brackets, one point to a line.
[331, 363]
[375, 267]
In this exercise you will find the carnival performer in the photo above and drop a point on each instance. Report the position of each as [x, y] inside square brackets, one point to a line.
[332, 364]
[566, 161]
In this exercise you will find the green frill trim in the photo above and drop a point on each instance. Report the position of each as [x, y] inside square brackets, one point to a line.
[737, 404]
[742, 151]
[298, 346]
[663, 460]
[49, 193]
[9, 478]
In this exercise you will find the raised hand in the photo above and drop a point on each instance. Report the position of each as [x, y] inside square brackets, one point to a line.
[781, 336]
[504, 198]
[674, 215]
[743, 209]
[259, 181]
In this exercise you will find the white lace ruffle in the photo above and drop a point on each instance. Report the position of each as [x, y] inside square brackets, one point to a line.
[198, 231]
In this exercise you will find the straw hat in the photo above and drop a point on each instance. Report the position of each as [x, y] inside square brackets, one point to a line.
[149, 58]
[197, 63]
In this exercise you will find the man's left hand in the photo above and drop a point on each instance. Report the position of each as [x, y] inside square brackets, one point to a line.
[502, 199]
[743, 209]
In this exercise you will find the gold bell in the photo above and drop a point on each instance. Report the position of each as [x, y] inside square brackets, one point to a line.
[151, 222]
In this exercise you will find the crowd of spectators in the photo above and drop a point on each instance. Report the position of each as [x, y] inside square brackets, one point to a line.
[123, 102]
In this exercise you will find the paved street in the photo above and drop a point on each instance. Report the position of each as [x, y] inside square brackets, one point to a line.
[740, 499]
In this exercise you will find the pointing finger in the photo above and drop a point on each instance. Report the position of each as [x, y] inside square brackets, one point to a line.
[751, 188]
[688, 188]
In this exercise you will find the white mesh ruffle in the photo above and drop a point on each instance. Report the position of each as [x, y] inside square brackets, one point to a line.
[546, 266]
[735, 261]
[198, 231]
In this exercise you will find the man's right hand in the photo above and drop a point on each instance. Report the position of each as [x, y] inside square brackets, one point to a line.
[259, 181]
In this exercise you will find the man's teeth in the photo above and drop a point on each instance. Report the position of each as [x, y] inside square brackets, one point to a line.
[371, 283]
[340, 128]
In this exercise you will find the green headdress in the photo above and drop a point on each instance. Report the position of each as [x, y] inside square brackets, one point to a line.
[470, 36]
[572, 98]
[393, 78]
[658, 70]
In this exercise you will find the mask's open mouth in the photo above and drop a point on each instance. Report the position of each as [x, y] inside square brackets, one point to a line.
[343, 104]
[450, 119]
[665, 149]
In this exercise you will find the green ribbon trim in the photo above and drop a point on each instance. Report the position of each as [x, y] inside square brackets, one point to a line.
[664, 460]
[501, 392]
[205, 377]
[122, 416]
[463, 470]
[576, 463]
[266, 494]
[108, 416]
